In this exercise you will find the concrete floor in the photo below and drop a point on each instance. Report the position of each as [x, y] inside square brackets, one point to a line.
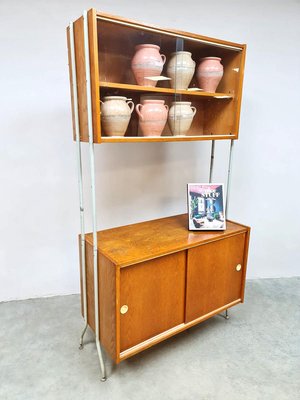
[253, 355]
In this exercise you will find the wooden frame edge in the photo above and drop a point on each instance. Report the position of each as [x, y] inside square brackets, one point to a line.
[140, 24]
[173, 331]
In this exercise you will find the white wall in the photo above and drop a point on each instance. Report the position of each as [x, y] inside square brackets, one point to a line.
[39, 199]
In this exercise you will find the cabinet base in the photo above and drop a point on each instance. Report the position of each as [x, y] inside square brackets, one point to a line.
[173, 331]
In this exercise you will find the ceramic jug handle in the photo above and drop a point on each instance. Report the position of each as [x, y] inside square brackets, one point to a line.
[137, 107]
[101, 102]
[194, 110]
[131, 106]
[167, 107]
[163, 58]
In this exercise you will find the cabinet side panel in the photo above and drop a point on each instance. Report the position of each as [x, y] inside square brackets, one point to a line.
[107, 299]
[245, 261]
[71, 81]
[81, 79]
[107, 307]
[94, 71]
[240, 91]
[80, 274]
[89, 264]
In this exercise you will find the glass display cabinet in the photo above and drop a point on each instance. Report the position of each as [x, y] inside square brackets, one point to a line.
[131, 82]
[119, 47]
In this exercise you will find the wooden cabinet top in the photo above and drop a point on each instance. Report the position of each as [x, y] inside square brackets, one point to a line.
[139, 242]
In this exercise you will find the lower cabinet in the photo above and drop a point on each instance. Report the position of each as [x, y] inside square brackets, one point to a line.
[143, 303]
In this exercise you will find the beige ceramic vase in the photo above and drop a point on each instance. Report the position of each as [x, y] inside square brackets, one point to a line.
[147, 61]
[115, 115]
[181, 69]
[209, 73]
[153, 116]
[181, 116]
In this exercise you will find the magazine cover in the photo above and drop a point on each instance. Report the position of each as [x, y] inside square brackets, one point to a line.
[206, 206]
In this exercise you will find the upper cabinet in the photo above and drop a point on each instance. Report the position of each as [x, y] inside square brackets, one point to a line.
[155, 84]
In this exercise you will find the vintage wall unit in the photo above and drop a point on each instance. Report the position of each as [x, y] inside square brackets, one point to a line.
[143, 283]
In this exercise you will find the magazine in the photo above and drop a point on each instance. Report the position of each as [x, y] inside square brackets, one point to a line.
[206, 206]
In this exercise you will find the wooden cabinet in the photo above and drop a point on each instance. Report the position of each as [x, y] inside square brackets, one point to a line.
[157, 279]
[112, 42]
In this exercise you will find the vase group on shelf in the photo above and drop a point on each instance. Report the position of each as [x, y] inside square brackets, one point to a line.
[153, 115]
[147, 65]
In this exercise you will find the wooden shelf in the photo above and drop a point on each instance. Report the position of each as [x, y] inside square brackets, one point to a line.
[145, 89]
[133, 139]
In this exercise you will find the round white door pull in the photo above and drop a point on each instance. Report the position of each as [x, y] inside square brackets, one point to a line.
[238, 267]
[124, 309]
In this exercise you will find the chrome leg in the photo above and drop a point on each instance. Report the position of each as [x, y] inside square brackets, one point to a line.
[226, 314]
[101, 362]
[80, 185]
[93, 187]
[82, 335]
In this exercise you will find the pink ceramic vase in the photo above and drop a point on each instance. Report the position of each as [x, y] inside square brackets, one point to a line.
[209, 73]
[153, 116]
[147, 61]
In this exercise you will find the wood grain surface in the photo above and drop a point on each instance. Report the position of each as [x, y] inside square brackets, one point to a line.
[154, 292]
[212, 278]
[134, 243]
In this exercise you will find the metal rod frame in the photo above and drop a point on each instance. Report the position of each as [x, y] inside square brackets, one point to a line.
[93, 190]
[211, 170]
[229, 177]
[80, 185]
[212, 159]
[228, 191]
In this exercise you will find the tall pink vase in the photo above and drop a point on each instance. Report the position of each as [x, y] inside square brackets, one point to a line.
[153, 116]
[209, 73]
[147, 61]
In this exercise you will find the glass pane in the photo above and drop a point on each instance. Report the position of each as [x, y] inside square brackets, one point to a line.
[133, 70]
[156, 84]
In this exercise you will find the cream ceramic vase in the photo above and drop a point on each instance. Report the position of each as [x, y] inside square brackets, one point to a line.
[147, 61]
[153, 116]
[209, 73]
[181, 116]
[115, 115]
[181, 69]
